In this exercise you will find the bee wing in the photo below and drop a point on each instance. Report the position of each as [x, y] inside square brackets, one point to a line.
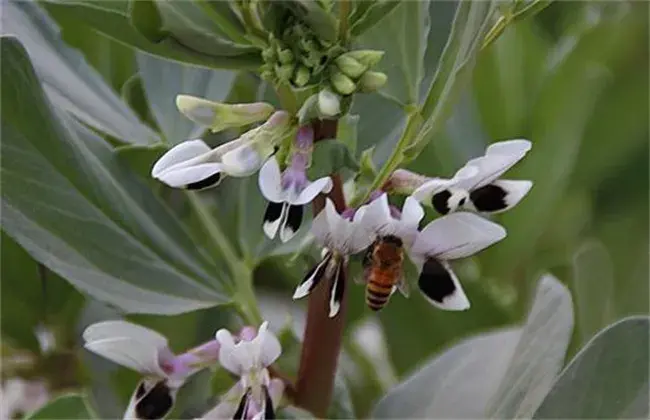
[403, 286]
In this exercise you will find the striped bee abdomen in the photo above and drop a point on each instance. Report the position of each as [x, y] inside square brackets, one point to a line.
[377, 294]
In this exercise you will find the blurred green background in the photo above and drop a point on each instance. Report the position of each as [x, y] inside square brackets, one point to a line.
[573, 79]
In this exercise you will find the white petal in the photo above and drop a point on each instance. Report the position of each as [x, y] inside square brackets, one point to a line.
[489, 169]
[183, 176]
[227, 357]
[130, 345]
[269, 346]
[509, 147]
[276, 390]
[425, 192]
[457, 235]
[310, 192]
[270, 181]
[178, 154]
[516, 190]
[313, 277]
[329, 103]
[377, 218]
[457, 301]
[271, 227]
[412, 213]
[243, 161]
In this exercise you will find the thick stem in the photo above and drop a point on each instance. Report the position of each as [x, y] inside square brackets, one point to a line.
[323, 335]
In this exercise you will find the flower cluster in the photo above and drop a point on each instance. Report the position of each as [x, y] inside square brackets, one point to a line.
[255, 395]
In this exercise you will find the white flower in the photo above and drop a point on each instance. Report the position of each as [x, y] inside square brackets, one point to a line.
[378, 219]
[19, 397]
[329, 103]
[340, 237]
[194, 165]
[255, 395]
[450, 237]
[476, 186]
[287, 193]
[219, 116]
[148, 353]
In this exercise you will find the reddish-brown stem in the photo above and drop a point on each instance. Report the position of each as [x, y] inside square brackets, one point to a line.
[323, 335]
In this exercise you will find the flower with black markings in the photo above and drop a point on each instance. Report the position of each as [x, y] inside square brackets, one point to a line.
[476, 186]
[255, 395]
[148, 353]
[194, 165]
[457, 235]
[289, 191]
[341, 236]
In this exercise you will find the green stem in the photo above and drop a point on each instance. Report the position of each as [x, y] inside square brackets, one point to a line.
[393, 162]
[344, 14]
[223, 23]
[245, 299]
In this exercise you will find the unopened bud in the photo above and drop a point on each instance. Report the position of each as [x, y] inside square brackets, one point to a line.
[219, 116]
[342, 83]
[269, 55]
[371, 81]
[302, 76]
[285, 56]
[366, 57]
[350, 66]
[329, 103]
[284, 72]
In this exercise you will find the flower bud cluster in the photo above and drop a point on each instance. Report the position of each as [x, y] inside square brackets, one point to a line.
[301, 59]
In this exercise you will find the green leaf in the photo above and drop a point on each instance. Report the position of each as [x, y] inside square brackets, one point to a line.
[330, 156]
[66, 407]
[508, 371]
[112, 19]
[607, 379]
[146, 19]
[75, 208]
[68, 80]
[454, 69]
[402, 35]
[369, 13]
[163, 80]
[539, 356]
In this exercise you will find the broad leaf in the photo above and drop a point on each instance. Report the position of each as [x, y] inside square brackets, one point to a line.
[607, 379]
[402, 35]
[539, 356]
[453, 69]
[69, 81]
[367, 14]
[502, 374]
[163, 80]
[65, 407]
[112, 19]
[74, 207]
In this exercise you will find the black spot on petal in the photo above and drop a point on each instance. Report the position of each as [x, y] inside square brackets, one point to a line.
[440, 201]
[243, 405]
[156, 403]
[208, 182]
[269, 412]
[294, 219]
[140, 390]
[273, 212]
[489, 198]
[435, 281]
[317, 272]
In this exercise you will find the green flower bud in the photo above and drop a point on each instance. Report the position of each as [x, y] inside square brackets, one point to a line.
[269, 55]
[284, 72]
[219, 116]
[350, 66]
[371, 81]
[285, 56]
[366, 57]
[302, 76]
[342, 83]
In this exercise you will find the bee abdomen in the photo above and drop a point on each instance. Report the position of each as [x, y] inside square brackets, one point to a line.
[377, 295]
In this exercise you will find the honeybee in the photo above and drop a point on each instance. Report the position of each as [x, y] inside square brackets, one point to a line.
[382, 270]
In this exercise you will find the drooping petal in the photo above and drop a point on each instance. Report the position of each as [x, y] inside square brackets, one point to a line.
[499, 196]
[457, 235]
[268, 345]
[312, 278]
[291, 223]
[441, 287]
[270, 181]
[274, 215]
[227, 353]
[130, 345]
[321, 185]
[179, 154]
[337, 289]
[198, 176]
